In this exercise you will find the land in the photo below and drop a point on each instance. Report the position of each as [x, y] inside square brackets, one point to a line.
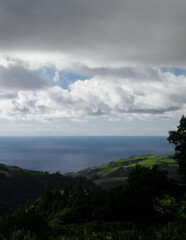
[20, 186]
[116, 173]
[140, 197]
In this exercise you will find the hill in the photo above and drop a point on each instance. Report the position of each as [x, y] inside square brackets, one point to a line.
[19, 186]
[150, 207]
[116, 173]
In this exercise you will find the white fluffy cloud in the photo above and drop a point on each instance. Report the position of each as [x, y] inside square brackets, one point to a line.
[135, 92]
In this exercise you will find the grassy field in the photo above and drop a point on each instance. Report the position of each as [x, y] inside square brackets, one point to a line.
[117, 171]
[11, 171]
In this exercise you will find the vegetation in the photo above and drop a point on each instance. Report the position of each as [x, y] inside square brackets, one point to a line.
[178, 138]
[19, 186]
[151, 206]
[116, 173]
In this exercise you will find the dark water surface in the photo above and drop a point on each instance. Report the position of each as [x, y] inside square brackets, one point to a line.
[66, 154]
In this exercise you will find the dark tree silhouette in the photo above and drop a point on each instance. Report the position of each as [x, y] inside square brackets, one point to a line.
[178, 138]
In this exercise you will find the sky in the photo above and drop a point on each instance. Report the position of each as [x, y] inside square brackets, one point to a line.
[83, 67]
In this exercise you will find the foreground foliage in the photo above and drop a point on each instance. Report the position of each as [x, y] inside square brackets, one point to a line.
[178, 138]
[18, 186]
[150, 207]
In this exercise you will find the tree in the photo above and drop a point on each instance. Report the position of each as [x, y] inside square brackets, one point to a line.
[144, 185]
[178, 138]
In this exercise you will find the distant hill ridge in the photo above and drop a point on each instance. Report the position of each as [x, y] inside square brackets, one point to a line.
[115, 173]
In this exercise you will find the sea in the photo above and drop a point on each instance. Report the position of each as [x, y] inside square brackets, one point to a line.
[70, 154]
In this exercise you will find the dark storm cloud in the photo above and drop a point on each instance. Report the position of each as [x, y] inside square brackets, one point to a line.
[124, 72]
[130, 31]
[17, 77]
[154, 111]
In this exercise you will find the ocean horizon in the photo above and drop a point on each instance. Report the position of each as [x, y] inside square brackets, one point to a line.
[73, 153]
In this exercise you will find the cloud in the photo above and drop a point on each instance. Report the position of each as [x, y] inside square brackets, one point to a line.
[56, 77]
[140, 73]
[16, 77]
[117, 48]
[102, 32]
[7, 95]
[115, 97]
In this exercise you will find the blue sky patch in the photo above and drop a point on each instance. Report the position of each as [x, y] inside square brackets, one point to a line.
[175, 71]
[65, 78]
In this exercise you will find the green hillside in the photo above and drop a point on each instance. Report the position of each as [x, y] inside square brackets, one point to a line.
[9, 171]
[19, 186]
[116, 173]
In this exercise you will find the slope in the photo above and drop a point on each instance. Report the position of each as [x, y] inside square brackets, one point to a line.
[115, 173]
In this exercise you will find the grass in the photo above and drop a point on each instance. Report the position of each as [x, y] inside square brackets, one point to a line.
[106, 171]
[10, 171]
[144, 160]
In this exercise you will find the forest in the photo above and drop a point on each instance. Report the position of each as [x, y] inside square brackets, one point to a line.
[150, 205]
